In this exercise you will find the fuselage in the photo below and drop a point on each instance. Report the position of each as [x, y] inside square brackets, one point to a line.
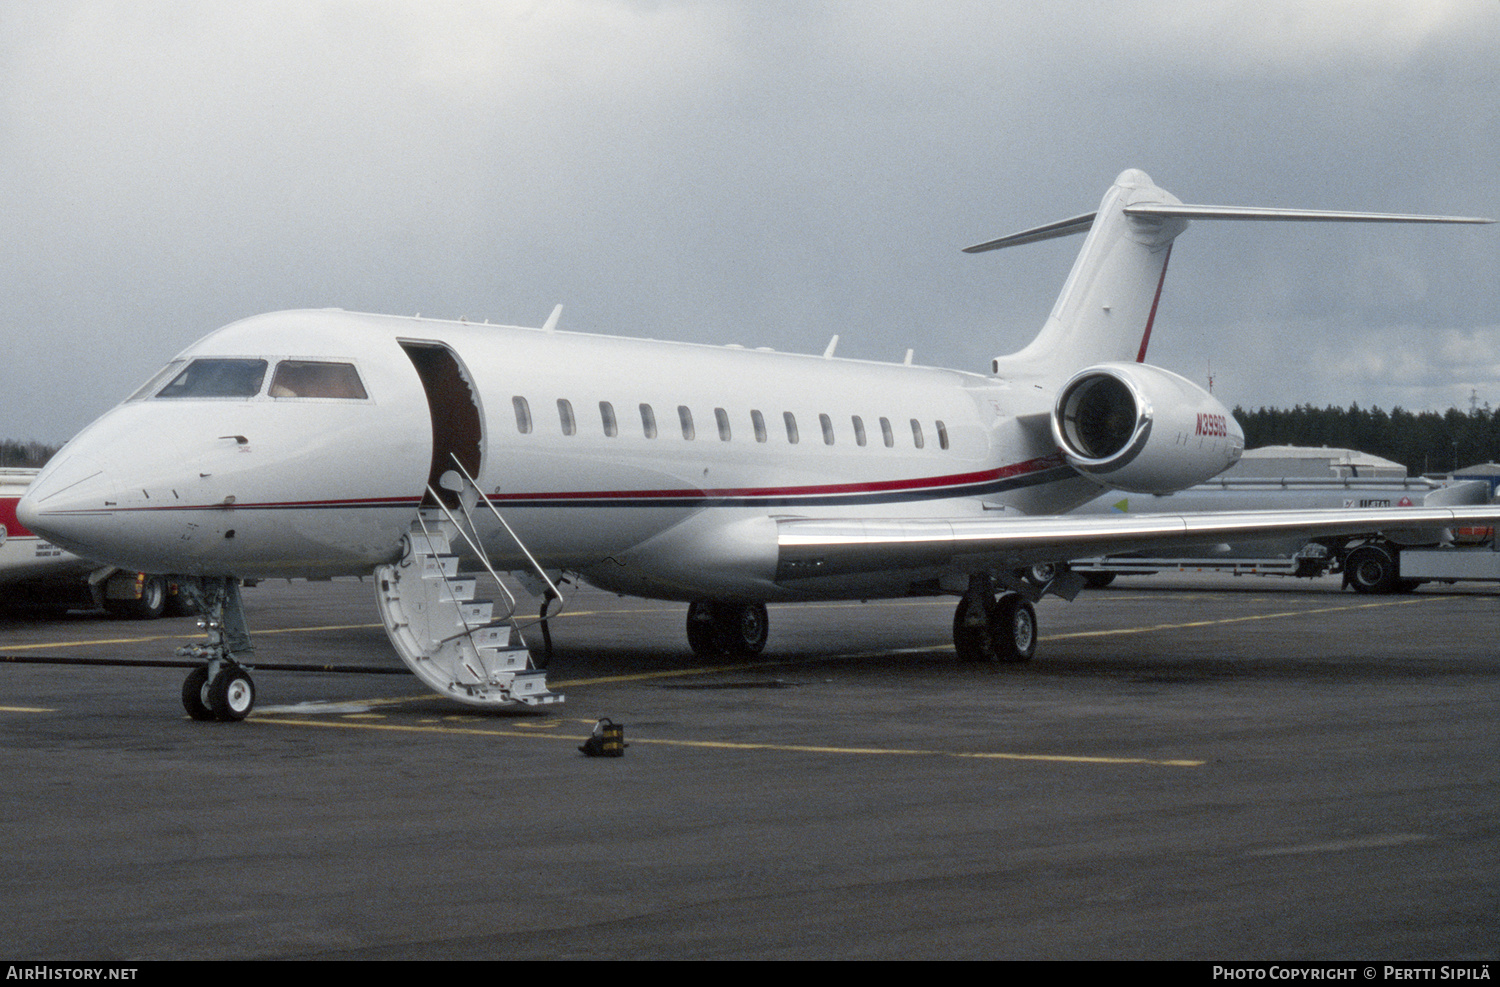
[652, 468]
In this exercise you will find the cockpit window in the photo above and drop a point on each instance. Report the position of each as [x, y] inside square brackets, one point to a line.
[309, 379]
[163, 375]
[217, 379]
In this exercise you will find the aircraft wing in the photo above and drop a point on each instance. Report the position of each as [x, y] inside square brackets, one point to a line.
[810, 547]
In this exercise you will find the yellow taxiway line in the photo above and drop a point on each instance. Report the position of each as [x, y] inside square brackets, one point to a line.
[366, 722]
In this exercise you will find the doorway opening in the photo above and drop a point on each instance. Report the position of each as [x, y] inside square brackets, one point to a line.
[456, 421]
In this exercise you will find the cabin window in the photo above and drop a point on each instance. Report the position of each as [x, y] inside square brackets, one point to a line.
[648, 421]
[827, 424]
[565, 416]
[916, 433]
[791, 426]
[859, 430]
[523, 415]
[313, 379]
[721, 418]
[942, 435]
[607, 417]
[758, 420]
[685, 417]
[217, 379]
[886, 434]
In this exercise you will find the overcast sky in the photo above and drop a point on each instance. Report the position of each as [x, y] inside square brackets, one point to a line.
[747, 171]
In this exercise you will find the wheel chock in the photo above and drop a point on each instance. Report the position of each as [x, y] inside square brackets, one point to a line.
[607, 740]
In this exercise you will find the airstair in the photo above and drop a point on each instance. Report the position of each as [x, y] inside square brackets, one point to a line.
[460, 644]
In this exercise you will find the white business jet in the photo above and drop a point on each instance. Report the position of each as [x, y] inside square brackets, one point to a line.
[327, 443]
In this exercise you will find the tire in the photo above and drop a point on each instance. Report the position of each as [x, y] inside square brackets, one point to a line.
[1042, 573]
[743, 628]
[1098, 580]
[231, 695]
[1372, 569]
[700, 628]
[968, 642]
[1013, 629]
[716, 629]
[151, 604]
[153, 600]
[195, 695]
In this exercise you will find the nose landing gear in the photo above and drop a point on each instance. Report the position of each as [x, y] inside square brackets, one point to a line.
[221, 688]
[228, 696]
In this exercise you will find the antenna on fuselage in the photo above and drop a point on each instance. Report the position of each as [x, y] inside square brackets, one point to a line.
[832, 345]
[551, 322]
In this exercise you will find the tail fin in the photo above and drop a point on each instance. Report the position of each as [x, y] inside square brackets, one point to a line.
[1107, 305]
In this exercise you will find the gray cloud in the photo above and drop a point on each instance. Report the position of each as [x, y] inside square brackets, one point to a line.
[756, 172]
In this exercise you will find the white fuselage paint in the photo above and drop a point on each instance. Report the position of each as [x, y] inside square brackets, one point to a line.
[267, 487]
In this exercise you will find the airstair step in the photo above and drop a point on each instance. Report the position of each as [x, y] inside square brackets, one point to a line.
[473, 612]
[438, 566]
[504, 659]
[459, 589]
[494, 636]
[467, 649]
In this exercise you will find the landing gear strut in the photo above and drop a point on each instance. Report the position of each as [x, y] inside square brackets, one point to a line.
[991, 627]
[715, 628]
[221, 688]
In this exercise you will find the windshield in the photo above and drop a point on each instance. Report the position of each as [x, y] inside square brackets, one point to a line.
[217, 379]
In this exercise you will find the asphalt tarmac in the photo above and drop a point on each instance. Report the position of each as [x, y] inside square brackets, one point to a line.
[1199, 768]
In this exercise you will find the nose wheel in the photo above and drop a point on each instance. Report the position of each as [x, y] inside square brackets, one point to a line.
[221, 688]
[228, 696]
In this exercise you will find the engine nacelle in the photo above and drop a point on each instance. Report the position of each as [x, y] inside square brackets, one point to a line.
[1135, 427]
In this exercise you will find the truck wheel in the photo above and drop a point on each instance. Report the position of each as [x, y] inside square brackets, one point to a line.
[1372, 569]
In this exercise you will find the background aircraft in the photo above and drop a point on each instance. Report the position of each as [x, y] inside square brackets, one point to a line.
[319, 443]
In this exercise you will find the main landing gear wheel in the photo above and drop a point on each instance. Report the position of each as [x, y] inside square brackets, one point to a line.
[228, 697]
[1007, 632]
[715, 628]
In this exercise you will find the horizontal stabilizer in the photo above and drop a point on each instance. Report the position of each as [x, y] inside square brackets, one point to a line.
[1063, 227]
[1177, 210]
[1174, 210]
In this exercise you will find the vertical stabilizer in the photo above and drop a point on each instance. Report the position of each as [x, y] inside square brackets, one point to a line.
[1109, 301]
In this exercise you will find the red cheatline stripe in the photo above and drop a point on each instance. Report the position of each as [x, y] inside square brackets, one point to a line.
[883, 486]
[1151, 319]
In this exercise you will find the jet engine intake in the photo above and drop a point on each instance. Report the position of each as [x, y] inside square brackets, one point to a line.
[1135, 427]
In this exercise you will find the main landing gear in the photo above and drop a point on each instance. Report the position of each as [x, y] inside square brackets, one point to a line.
[220, 689]
[718, 629]
[993, 627]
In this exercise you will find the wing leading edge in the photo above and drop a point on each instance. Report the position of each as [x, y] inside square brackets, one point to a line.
[810, 547]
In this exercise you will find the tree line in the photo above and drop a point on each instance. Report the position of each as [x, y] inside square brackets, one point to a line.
[14, 453]
[1422, 441]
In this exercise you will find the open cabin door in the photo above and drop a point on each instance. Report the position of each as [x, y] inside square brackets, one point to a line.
[456, 417]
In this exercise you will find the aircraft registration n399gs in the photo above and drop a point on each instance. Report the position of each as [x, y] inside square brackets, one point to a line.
[325, 443]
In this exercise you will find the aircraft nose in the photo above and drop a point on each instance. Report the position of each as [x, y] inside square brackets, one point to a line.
[71, 504]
